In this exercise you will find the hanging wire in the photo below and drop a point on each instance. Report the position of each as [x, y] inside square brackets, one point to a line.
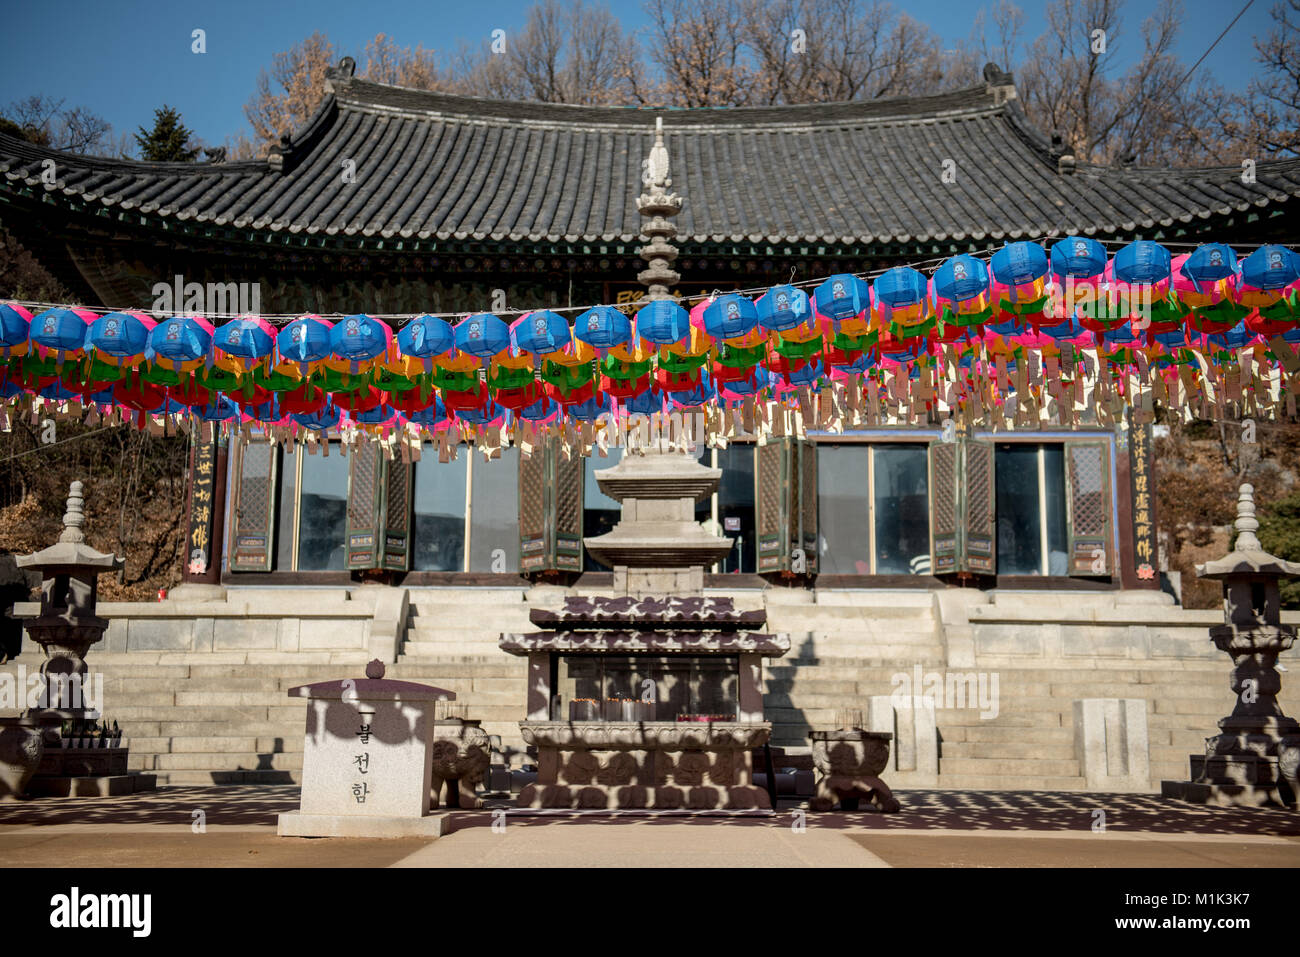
[50, 445]
[928, 266]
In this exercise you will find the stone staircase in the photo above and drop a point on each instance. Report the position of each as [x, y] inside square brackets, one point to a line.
[452, 643]
[224, 717]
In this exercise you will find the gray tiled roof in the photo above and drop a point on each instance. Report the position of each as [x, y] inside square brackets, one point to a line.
[433, 165]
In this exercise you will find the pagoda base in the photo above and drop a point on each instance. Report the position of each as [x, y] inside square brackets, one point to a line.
[659, 765]
[1223, 795]
[1232, 780]
[598, 797]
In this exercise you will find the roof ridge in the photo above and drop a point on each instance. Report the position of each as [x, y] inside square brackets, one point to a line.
[352, 91]
[23, 147]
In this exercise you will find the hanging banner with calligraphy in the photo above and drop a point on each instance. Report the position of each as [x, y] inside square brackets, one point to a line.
[202, 489]
[1142, 476]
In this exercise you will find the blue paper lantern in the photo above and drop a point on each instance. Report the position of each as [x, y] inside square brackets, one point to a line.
[121, 335]
[859, 365]
[58, 392]
[1121, 335]
[1234, 338]
[782, 308]
[842, 297]
[591, 409]
[603, 327]
[325, 418]
[806, 373]
[1142, 261]
[961, 278]
[1270, 267]
[489, 413]
[544, 408]
[360, 338]
[1067, 329]
[268, 411]
[647, 403]
[181, 341]
[730, 316]
[541, 332]
[429, 416]
[482, 335]
[900, 287]
[305, 339]
[1173, 339]
[1079, 257]
[219, 410]
[1210, 262]
[1017, 264]
[63, 331]
[425, 337]
[376, 416]
[249, 339]
[663, 322]
[15, 327]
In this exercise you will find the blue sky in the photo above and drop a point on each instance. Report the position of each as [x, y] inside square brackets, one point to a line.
[124, 58]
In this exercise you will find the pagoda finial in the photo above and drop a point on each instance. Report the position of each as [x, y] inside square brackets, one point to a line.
[658, 206]
[74, 517]
[1247, 524]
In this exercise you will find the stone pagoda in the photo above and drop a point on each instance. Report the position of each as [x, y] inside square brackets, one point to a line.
[1240, 765]
[657, 547]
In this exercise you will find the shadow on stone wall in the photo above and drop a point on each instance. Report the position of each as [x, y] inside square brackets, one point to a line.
[15, 586]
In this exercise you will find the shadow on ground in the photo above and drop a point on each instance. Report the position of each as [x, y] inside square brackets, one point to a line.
[1060, 811]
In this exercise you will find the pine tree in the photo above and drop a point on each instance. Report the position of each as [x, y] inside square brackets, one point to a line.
[169, 140]
[1279, 533]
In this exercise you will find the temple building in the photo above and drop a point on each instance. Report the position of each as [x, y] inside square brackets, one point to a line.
[876, 550]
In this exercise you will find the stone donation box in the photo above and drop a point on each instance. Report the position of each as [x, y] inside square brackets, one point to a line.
[367, 758]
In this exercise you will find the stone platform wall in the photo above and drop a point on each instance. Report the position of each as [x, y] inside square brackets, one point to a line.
[200, 685]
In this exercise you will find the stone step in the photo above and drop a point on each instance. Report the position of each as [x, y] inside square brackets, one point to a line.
[875, 598]
[1003, 782]
[226, 761]
[1020, 750]
[190, 778]
[411, 669]
[995, 734]
[819, 611]
[1008, 767]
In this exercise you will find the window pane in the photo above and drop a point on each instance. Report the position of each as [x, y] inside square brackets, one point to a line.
[600, 513]
[322, 525]
[843, 518]
[1020, 550]
[902, 493]
[1054, 473]
[495, 517]
[736, 502]
[287, 498]
[439, 494]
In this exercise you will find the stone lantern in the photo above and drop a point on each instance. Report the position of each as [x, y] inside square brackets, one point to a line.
[1241, 763]
[76, 761]
[67, 625]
